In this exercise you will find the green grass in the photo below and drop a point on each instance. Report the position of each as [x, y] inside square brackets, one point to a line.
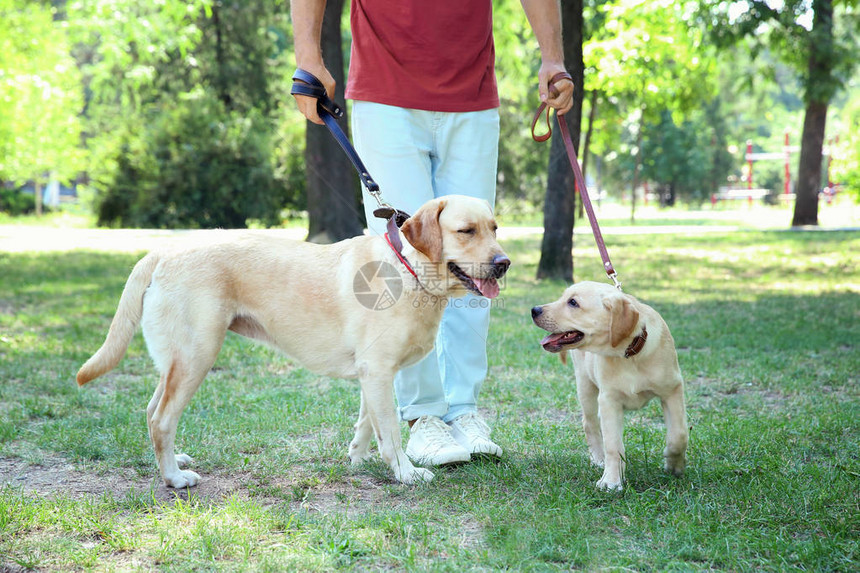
[767, 326]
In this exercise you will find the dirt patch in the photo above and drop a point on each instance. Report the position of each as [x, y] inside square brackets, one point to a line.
[55, 476]
[352, 497]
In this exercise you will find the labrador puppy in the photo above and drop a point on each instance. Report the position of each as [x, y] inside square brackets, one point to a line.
[361, 308]
[624, 356]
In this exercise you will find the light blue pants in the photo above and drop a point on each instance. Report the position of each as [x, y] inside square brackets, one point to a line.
[416, 156]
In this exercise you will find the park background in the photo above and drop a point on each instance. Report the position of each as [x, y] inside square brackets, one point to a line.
[177, 114]
[140, 122]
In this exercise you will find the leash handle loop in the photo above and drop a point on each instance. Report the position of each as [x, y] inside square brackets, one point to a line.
[544, 107]
[580, 180]
[306, 84]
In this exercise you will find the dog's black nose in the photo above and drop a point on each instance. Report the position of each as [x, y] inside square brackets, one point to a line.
[537, 311]
[501, 264]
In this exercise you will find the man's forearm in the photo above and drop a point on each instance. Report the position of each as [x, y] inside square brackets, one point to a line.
[545, 19]
[307, 17]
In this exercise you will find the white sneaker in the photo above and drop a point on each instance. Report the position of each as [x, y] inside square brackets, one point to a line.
[431, 443]
[473, 433]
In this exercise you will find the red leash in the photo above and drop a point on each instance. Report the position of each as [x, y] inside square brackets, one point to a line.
[577, 174]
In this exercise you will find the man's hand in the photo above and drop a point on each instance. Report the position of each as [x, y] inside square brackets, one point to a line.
[308, 105]
[559, 96]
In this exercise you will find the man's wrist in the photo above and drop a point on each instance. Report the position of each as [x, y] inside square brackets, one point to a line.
[552, 63]
[312, 60]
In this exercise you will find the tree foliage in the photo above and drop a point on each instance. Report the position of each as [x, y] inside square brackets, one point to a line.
[689, 158]
[197, 164]
[181, 108]
[650, 56]
[845, 149]
[818, 39]
[40, 96]
[183, 118]
[786, 30]
[654, 75]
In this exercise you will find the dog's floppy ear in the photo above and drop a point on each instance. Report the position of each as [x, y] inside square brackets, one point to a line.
[423, 232]
[623, 318]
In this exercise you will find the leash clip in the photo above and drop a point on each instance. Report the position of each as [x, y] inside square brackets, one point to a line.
[377, 194]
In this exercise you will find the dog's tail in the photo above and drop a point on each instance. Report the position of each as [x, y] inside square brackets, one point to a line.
[124, 324]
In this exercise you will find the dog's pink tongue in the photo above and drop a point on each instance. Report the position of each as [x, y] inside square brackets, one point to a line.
[550, 338]
[488, 287]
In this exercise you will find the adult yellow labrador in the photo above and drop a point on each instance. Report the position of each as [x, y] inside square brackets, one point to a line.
[624, 356]
[355, 309]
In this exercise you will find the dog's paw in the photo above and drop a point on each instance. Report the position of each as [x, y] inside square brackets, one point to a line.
[183, 478]
[414, 476]
[675, 465]
[610, 483]
[358, 457]
[596, 459]
[183, 460]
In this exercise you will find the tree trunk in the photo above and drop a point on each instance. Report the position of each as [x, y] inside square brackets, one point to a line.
[820, 73]
[809, 171]
[556, 259]
[334, 211]
[220, 58]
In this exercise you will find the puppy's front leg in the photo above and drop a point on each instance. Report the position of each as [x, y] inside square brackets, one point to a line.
[587, 393]
[675, 414]
[612, 426]
[377, 389]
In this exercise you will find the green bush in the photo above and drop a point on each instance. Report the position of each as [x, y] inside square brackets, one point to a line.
[15, 202]
[195, 166]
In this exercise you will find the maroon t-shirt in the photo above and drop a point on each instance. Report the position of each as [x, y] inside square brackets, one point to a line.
[435, 55]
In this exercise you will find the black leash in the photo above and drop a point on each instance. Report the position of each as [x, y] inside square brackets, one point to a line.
[306, 84]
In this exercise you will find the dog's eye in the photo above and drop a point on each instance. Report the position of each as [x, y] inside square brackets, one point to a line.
[572, 302]
[468, 231]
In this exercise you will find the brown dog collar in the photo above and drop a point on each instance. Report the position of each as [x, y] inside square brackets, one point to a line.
[637, 344]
